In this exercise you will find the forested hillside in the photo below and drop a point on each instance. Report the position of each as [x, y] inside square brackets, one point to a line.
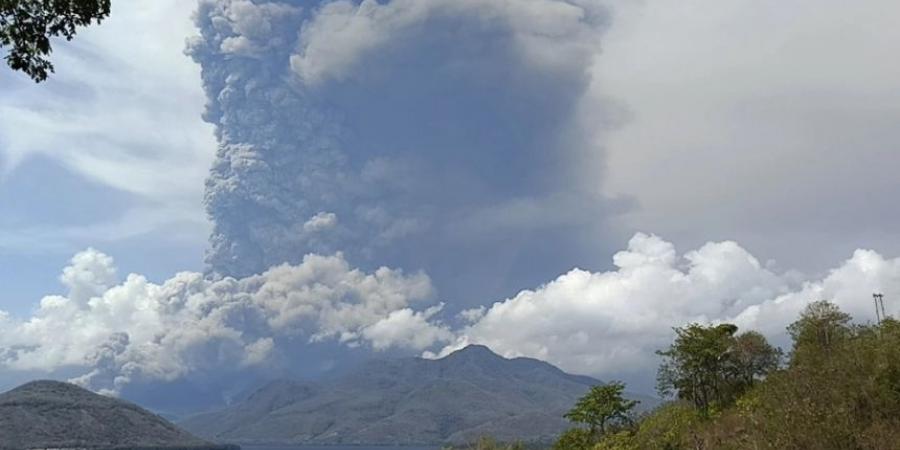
[837, 388]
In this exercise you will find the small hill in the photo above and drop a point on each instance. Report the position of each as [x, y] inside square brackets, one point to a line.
[470, 393]
[51, 414]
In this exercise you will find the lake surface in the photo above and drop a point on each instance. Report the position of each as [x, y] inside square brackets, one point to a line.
[337, 447]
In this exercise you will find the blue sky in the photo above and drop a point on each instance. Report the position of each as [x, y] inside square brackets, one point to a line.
[535, 175]
[110, 153]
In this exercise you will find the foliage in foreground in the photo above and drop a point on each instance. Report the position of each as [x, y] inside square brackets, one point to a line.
[27, 26]
[840, 389]
[488, 443]
[602, 407]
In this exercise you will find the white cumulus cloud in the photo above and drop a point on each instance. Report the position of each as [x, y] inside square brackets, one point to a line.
[606, 324]
[610, 323]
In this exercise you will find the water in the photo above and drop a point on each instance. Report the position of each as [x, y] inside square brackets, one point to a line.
[337, 447]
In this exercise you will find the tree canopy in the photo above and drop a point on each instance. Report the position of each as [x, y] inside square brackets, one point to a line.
[709, 366]
[754, 358]
[601, 406]
[821, 326]
[26, 27]
[603, 409]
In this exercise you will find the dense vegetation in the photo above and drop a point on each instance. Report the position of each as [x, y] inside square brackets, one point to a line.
[839, 388]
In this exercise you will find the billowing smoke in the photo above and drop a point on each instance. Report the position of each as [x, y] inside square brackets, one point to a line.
[106, 333]
[113, 333]
[442, 135]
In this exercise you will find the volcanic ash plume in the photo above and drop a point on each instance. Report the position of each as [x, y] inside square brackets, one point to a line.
[436, 134]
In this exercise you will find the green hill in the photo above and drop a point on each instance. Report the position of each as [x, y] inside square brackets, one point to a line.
[51, 414]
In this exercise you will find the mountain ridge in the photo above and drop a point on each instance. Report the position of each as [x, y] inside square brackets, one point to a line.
[54, 414]
[455, 399]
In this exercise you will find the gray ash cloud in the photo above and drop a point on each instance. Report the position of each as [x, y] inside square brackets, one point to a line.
[436, 135]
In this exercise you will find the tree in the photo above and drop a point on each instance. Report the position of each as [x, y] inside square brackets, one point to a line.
[601, 406]
[27, 26]
[754, 357]
[821, 326]
[698, 366]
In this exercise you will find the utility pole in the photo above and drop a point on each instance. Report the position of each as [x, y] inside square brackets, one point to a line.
[879, 307]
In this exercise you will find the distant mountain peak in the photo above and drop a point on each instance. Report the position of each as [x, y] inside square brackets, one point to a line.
[37, 383]
[469, 393]
[42, 385]
[476, 351]
[48, 390]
